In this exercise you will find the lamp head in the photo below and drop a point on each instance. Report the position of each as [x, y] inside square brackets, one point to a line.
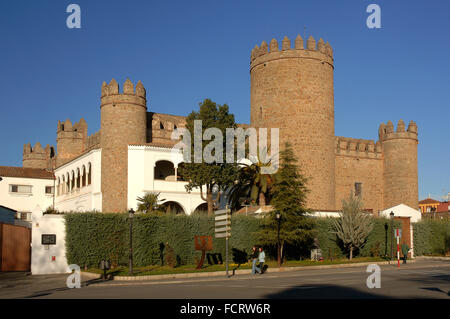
[131, 213]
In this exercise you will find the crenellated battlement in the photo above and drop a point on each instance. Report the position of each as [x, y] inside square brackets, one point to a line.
[92, 141]
[130, 95]
[358, 147]
[37, 149]
[320, 50]
[387, 131]
[67, 126]
[37, 156]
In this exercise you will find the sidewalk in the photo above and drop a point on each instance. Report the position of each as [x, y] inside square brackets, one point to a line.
[91, 276]
[446, 258]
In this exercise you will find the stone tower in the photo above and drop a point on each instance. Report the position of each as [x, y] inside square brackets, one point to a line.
[70, 140]
[38, 157]
[123, 122]
[400, 179]
[292, 89]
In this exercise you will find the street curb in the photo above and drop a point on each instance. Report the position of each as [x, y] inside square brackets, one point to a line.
[246, 271]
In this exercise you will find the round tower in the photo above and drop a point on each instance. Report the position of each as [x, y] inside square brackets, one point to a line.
[400, 164]
[123, 122]
[292, 89]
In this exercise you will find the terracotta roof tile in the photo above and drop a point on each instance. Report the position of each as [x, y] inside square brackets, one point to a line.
[25, 172]
[429, 201]
[162, 145]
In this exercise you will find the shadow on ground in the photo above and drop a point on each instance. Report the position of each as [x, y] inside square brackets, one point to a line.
[324, 292]
[48, 292]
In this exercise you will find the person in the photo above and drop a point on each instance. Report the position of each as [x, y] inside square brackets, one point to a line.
[261, 259]
[254, 259]
[405, 250]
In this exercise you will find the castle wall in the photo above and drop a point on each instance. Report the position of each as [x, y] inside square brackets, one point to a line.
[359, 161]
[292, 89]
[161, 126]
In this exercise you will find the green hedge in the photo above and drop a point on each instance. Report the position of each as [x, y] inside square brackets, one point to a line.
[91, 237]
[431, 237]
[378, 243]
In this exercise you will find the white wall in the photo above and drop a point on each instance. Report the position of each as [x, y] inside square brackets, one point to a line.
[325, 214]
[403, 210]
[141, 165]
[41, 256]
[87, 198]
[25, 202]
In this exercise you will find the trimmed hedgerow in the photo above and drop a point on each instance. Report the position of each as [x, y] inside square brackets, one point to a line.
[377, 244]
[91, 237]
[431, 237]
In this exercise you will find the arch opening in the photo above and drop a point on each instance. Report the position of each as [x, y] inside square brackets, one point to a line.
[201, 210]
[165, 170]
[172, 208]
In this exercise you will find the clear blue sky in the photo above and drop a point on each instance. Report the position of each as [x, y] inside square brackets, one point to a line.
[185, 51]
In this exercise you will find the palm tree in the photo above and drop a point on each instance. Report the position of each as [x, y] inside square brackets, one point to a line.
[252, 185]
[149, 202]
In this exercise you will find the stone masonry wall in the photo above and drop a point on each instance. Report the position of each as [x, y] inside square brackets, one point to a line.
[400, 176]
[123, 122]
[292, 89]
[359, 161]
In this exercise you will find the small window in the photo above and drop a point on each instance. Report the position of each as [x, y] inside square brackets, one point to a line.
[20, 189]
[358, 189]
[24, 216]
[161, 126]
[49, 189]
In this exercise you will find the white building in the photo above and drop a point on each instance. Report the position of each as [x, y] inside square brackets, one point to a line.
[403, 210]
[150, 169]
[22, 189]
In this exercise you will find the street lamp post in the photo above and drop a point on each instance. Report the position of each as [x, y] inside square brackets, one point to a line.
[392, 229]
[278, 240]
[131, 216]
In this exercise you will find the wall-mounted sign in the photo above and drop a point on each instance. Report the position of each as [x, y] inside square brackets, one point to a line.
[48, 239]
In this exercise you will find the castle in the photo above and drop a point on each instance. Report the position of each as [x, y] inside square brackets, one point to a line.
[291, 89]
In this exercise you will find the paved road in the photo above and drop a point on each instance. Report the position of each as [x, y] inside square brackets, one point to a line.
[424, 279]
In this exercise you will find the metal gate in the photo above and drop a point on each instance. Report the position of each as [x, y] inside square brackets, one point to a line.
[15, 248]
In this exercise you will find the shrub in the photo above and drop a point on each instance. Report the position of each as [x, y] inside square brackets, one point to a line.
[91, 237]
[431, 237]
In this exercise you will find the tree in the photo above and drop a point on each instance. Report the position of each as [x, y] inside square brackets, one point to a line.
[211, 176]
[150, 202]
[353, 225]
[288, 198]
[251, 185]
